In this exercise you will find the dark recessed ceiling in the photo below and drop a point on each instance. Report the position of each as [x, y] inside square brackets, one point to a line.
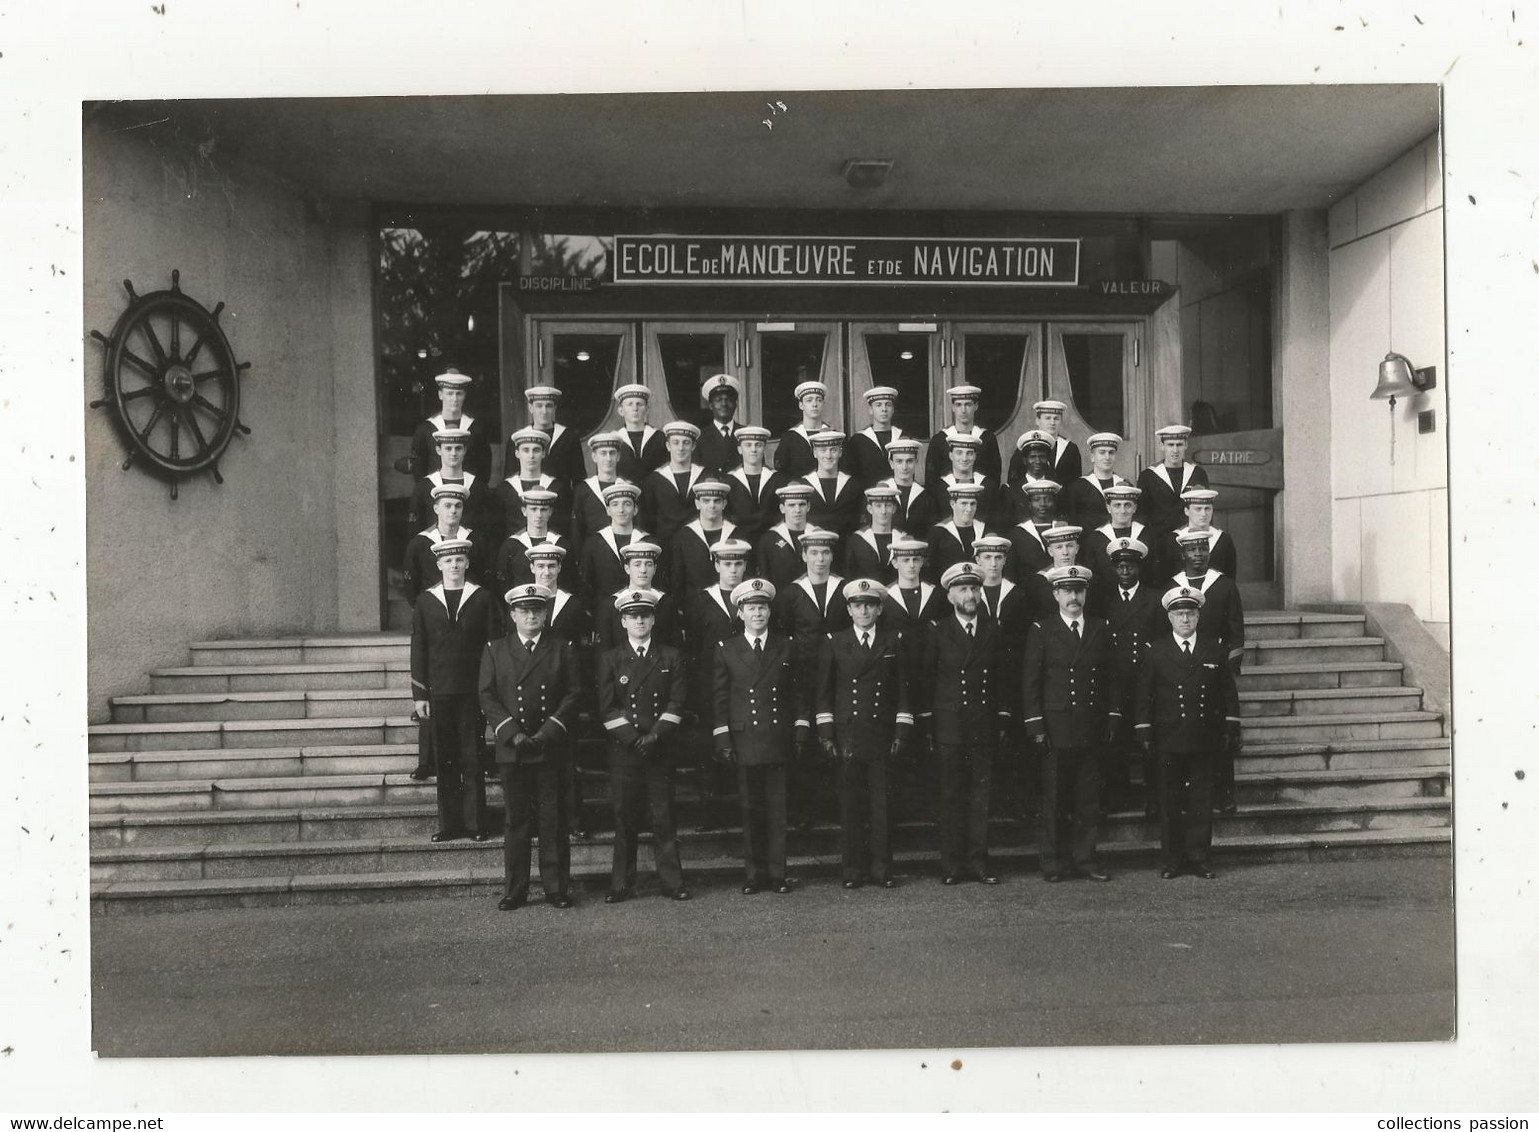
[1124, 150]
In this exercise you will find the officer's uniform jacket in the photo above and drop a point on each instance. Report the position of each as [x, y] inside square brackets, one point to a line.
[710, 619]
[664, 508]
[530, 694]
[636, 462]
[805, 620]
[480, 506]
[780, 557]
[478, 451]
[869, 555]
[937, 458]
[600, 570]
[1094, 554]
[917, 509]
[1066, 468]
[758, 702]
[689, 566]
[420, 565]
[1083, 501]
[1221, 553]
[510, 501]
[862, 694]
[793, 455]
[513, 568]
[1187, 703]
[1223, 615]
[754, 509]
[840, 515]
[961, 682]
[865, 455]
[1069, 684]
[947, 547]
[640, 697]
[1160, 504]
[1028, 553]
[1038, 592]
[610, 632]
[713, 451]
[1133, 624]
[446, 654]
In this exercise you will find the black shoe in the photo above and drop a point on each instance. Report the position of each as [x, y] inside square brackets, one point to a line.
[481, 836]
[752, 889]
[616, 897]
[1204, 872]
[558, 900]
[679, 894]
[953, 878]
[889, 883]
[781, 887]
[1169, 874]
[421, 774]
[987, 878]
[1095, 872]
[508, 903]
[853, 883]
[445, 835]
[1052, 878]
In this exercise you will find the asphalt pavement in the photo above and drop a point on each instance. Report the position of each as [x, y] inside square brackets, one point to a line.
[1290, 952]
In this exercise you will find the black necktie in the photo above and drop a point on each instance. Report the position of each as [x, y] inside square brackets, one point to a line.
[865, 641]
[1186, 647]
[641, 654]
[1127, 595]
[1074, 628]
[758, 645]
[529, 645]
[969, 627]
[726, 431]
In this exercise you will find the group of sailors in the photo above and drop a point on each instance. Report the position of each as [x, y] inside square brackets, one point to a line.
[812, 622]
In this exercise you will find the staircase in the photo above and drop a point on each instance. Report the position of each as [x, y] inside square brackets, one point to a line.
[277, 772]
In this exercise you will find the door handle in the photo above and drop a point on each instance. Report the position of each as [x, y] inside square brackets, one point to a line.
[747, 354]
[539, 355]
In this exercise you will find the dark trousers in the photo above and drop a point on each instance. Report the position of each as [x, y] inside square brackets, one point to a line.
[812, 786]
[636, 790]
[1223, 777]
[1186, 806]
[865, 840]
[532, 799]
[715, 780]
[1117, 764]
[1071, 807]
[457, 746]
[763, 793]
[966, 771]
[426, 763]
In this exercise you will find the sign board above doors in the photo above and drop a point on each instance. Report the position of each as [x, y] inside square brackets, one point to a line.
[881, 260]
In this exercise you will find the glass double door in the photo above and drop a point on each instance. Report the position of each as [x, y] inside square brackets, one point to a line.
[1092, 367]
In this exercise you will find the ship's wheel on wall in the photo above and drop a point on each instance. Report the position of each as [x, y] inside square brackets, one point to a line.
[172, 383]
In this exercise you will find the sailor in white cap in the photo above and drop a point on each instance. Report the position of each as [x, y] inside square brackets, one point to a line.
[865, 457]
[780, 547]
[1084, 499]
[952, 541]
[451, 625]
[526, 456]
[808, 610]
[710, 618]
[867, 554]
[751, 500]
[963, 403]
[836, 497]
[641, 691]
[1187, 716]
[419, 566]
[1005, 603]
[530, 689]
[918, 508]
[644, 446]
[689, 559]
[793, 456]
[1072, 704]
[1062, 542]
[566, 617]
[1198, 502]
[1134, 615]
[717, 450]
[1162, 484]
[642, 560]
[452, 386]
[1028, 549]
[1222, 620]
[963, 468]
[912, 601]
[1033, 460]
[600, 569]
[760, 714]
[450, 445]
[589, 512]
[666, 503]
[864, 723]
[967, 701]
[564, 457]
[1063, 460]
[512, 564]
[1121, 506]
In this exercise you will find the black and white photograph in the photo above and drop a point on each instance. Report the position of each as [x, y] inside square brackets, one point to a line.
[723, 565]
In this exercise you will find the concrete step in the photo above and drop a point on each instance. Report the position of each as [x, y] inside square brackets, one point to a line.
[1314, 650]
[117, 897]
[410, 854]
[190, 707]
[1352, 754]
[261, 793]
[303, 650]
[202, 735]
[1336, 728]
[1281, 625]
[1296, 677]
[1328, 701]
[1358, 787]
[375, 674]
